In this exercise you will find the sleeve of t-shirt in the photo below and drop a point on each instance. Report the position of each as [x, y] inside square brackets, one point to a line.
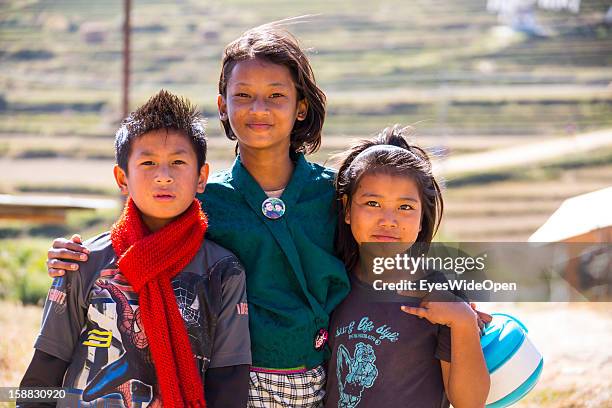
[443, 349]
[64, 316]
[44, 371]
[232, 343]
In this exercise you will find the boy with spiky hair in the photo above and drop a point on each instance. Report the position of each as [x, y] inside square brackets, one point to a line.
[158, 314]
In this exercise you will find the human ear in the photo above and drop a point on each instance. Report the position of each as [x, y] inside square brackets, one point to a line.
[222, 106]
[202, 178]
[347, 211]
[121, 179]
[302, 109]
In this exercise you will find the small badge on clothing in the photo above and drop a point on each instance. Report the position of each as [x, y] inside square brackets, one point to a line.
[273, 208]
[320, 339]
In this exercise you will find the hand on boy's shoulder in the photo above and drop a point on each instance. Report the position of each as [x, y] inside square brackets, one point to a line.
[70, 254]
[63, 251]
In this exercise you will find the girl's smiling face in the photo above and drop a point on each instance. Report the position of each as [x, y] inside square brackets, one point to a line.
[262, 105]
[385, 208]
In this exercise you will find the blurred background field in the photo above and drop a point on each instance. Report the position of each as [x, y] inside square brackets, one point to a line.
[468, 81]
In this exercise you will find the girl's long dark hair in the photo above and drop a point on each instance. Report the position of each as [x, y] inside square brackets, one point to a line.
[272, 43]
[409, 160]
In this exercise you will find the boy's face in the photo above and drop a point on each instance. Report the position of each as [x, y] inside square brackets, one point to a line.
[163, 176]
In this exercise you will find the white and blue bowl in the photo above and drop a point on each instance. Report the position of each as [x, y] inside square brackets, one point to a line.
[514, 363]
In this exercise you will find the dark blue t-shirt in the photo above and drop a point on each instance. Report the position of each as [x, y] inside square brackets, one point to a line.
[383, 357]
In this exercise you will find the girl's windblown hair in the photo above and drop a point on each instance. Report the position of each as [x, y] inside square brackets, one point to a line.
[273, 43]
[387, 153]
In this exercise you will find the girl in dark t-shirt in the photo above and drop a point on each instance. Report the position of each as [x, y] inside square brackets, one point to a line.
[390, 348]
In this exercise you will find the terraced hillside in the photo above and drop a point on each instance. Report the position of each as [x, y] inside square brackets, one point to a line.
[444, 64]
[513, 210]
[448, 67]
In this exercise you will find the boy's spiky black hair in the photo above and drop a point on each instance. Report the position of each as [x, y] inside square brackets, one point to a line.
[162, 111]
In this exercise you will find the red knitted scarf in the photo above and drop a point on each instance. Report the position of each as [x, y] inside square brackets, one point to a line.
[149, 261]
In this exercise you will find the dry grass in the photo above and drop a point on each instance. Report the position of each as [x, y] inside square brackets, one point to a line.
[19, 326]
[574, 339]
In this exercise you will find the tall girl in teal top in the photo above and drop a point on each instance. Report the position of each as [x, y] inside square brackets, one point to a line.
[270, 104]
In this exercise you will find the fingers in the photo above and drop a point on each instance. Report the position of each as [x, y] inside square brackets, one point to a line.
[66, 254]
[55, 267]
[59, 264]
[481, 325]
[76, 238]
[482, 316]
[416, 311]
[65, 250]
[54, 273]
[485, 317]
[74, 244]
[56, 264]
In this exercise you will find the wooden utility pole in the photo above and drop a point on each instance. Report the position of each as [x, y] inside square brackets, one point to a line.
[127, 4]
